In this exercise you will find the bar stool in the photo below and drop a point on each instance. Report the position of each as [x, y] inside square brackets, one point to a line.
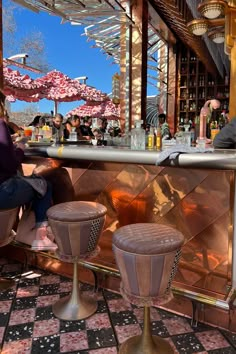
[147, 255]
[7, 220]
[77, 227]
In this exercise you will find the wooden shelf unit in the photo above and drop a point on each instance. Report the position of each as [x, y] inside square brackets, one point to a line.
[196, 86]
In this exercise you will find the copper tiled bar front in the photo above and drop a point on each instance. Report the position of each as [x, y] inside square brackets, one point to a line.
[198, 202]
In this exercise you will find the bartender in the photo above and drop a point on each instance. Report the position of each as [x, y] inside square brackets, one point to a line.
[226, 138]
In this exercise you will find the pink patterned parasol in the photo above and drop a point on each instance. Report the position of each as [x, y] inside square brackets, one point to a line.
[54, 86]
[62, 88]
[19, 85]
[106, 109]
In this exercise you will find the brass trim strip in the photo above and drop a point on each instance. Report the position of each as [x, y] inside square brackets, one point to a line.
[204, 299]
[201, 298]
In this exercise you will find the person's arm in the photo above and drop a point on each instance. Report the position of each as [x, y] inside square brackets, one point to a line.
[226, 138]
[79, 134]
[10, 156]
[14, 127]
[67, 130]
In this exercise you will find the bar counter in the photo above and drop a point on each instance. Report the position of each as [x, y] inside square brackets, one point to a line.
[219, 159]
[194, 193]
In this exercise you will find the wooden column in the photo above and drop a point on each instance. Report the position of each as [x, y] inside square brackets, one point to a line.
[230, 49]
[232, 100]
[125, 69]
[139, 60]
[171, 87]
[162, 64]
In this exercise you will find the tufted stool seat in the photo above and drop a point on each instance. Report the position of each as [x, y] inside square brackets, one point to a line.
[7, 220]
[77, 227]
[147, 255]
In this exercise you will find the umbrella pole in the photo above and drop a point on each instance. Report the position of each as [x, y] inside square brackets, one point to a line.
[55, 107]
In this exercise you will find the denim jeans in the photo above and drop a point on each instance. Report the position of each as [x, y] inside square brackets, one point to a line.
[16, 192]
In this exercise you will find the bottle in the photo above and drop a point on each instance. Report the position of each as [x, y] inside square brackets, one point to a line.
[226, 80]
[158, 138]
[150, 138]
[222, 120]
[40, 134]
[138, 136]
[73, 135]
[192, 132]
[33, 136]
[47, 132]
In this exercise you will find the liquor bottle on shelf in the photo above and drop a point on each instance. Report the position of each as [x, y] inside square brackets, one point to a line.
[222, 120]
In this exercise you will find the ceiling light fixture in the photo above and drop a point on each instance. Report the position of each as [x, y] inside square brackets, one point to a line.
[198, 27]
[220, 18]
[217, 36]
[212, 9]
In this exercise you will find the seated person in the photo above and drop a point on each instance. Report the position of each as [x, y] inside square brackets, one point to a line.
[38, 121]
[16, 191]
[226, 138]
[73, 122]
[86, 128]
[102, 124]
[115, 131]
[58, 129]
[99, 131]
[165, 130]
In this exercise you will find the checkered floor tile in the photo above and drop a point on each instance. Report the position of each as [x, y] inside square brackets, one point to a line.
[28, 326]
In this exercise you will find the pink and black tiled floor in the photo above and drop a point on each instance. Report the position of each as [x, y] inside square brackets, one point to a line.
[28, 326]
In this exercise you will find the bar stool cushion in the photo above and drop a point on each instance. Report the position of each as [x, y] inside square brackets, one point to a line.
[77, 226]
[147, 238]
[76, 211]
[147, 255]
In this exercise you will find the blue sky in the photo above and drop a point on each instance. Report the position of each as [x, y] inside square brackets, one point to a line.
[66, 51]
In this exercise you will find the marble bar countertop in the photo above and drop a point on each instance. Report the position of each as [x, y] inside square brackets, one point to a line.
[218, 159]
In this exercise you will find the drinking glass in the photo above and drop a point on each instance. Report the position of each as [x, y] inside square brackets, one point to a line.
[187, 138]
[214, 132]
[201, 142]
[28, 131]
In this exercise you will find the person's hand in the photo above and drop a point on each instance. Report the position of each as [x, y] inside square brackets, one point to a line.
[14, 136]
[20, 145]
[22, 139]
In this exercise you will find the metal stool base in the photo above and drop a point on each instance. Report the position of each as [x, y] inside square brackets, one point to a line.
[69, 310]
[6, 283]
[136, 345]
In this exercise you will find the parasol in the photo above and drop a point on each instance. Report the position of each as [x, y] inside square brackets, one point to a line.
[106, 109]
[61, 88]
[54, 86]
[20, 86]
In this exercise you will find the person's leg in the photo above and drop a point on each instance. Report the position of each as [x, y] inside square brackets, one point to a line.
[41, 205]
[15, 192]
[62, 188]
[36, 236]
